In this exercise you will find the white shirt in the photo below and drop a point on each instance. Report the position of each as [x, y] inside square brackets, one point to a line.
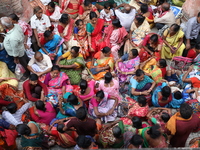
[42, 24]
[45, 2]
[105, 16]
[126, 19]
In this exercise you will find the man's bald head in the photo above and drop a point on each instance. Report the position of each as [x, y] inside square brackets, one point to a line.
[38, 56]
[6, 22]
[165, 6]
[127, 8]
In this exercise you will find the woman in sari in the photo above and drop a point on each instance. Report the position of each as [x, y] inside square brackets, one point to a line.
[144, 10]
[172, 42]
[101, 63]
[57, 83]
[65, 28]
[139, 28]
[127, 64]
[197, 58]
[94, 30]
[52, 45]
[103, 106]
[80, 38]
[114, 36]
[151, 45]
[72, 64]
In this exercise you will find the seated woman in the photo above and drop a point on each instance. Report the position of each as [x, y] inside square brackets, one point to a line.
[151, 46]
[135, 142]
[127, 64]
[103, 106]
[52, 45]
[110, 85]
[102, 62]
[114, 37]
[140, 84]
[144, 11]
[57, 83]
[72, 64]
[172, 42]
[139, 28]
[80, 39]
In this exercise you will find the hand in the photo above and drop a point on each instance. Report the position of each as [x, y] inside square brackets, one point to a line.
[92, 50]
[26, 46]
[145, 93]
[190, 68]
[98, 69]
[39, 74]
[188, 46]
[39, 44]
[16, 60]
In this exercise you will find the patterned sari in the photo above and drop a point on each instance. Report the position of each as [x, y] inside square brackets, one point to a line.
[68, 30]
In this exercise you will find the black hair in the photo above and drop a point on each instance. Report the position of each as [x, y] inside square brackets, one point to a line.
[93, 15]
[140, 19]
[144, 8]
[139, 72]
[136, 140]
[134, 52]
[176, 27]
[107, 5]
[165, 117]
[178, 95]
[40, 105]
[154, 38]
[198, 15]
[52, 4]
[47, 33]
[106, 50]
[108, 77]
[36, 9]
[117, 132]
[160, 2]
[55, 67]
[64, 18]
[78, 22]
[142, 100]
[14, 17]
[23, 129]
[60, 128]
[197, 46]
[75, 48]
[83, 141]
[33, 77]
[166, 7]
[12, 108]
[83, 86]
[100, 94]
[116, 23]
[137, 122]
[163, 63]
[166, 92]
[87, 3]
[154, 131]
[72, 99]
[186, 111]
[81, 113]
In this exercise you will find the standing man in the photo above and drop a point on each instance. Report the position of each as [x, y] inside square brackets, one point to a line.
[14, 44]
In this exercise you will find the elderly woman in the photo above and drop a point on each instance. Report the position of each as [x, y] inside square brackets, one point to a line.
[172, 42]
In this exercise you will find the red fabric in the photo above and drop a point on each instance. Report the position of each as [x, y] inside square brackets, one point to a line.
[3, 102]
[48, 13]
[27, 90]
[81, 10]
[42, 41]
[34, 117]
[26, 32]
[164, 71]
[60, 28]
[191, 54]
[195, 82]
[168, 100]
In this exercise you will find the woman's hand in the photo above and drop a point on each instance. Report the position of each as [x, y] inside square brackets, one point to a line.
[145, 93]
[26, 46]
[16, 60]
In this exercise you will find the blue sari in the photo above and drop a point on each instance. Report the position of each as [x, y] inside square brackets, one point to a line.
[175, 103]
[51, 45]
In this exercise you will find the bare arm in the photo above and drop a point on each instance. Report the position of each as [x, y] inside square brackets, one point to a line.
[36, 36]
[58, 60]
[185, 79]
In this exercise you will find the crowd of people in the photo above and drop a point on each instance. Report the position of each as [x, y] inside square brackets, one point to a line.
[95, 75]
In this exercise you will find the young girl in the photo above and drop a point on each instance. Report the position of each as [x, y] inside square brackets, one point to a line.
[107, 14]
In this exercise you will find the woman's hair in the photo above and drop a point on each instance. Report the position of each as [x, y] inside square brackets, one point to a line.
[142, 100]
[107, 5]
[78, 22]
[116, 23]
[83, 86]
[197, 46]
[87, 3]
[14, 17]
[165, 117]
[154, 131]
[166, 92]
[83, 141]
[136, 140]
[176, 27]
[100, 94]
[108, 77]
[154, 38]
[33, 77]
[81, 113]
[137, 122]
[23, 129]
[36, 9]
[106, 50]
[72, 99]
[140, 19]
[160, 2]
[64, 18]
[52, 4]
[60, 128]
[162, 63]
[40, 105]
[178, 95]
[76, 48]
[12, 108]
[139, 72]
[117, 132]
[47, 33]
[144, 8]
[186, 111]
[55, 67]
[93, 15]
[134, 52]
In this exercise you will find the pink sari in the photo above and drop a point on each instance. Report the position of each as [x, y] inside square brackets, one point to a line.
[25, 27]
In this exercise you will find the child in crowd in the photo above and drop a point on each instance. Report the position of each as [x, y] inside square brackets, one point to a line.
[107, 14]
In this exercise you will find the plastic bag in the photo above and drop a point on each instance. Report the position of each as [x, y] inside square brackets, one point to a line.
[19, 69]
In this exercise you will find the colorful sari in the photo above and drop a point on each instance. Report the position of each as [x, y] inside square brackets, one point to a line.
[25, 27]
[197, 62]
[150, 20]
